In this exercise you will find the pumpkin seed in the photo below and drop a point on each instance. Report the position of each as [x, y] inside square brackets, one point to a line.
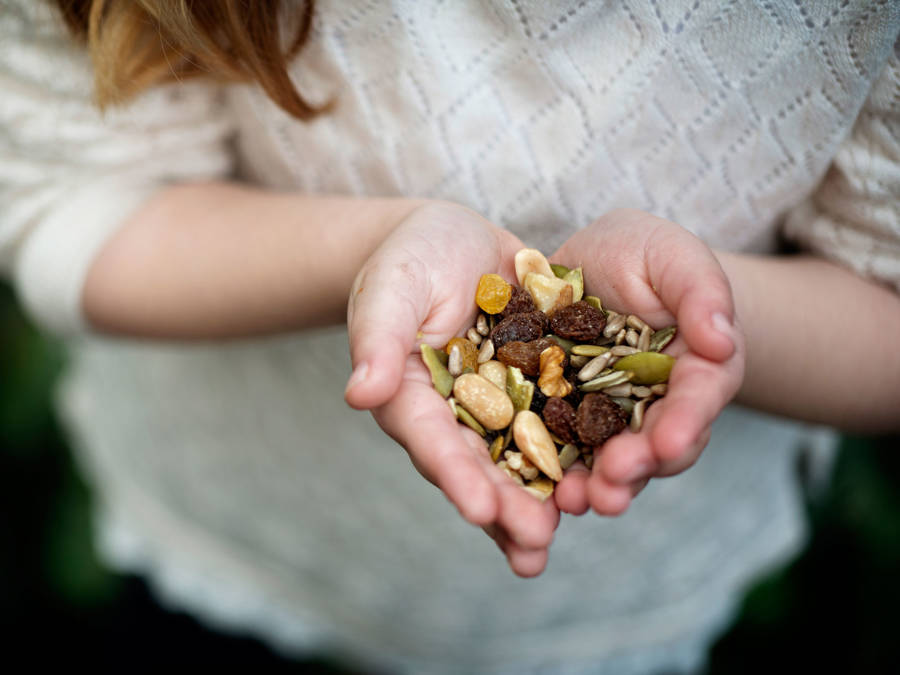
[589, 350]
[576, 278]
[440, 376]
[661, 338]
[519, 389]
[648, 367]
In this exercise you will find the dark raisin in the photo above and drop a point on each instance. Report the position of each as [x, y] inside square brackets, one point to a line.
[520, 302]
[559, 418]
[579, 322]
[538, 400]
[523, 327]
[599, 418]
[526, 356]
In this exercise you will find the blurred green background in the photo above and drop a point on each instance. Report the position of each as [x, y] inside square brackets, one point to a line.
[835, 608]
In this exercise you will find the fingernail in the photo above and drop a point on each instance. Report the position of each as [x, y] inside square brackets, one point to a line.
[721, 323]
[359, 374]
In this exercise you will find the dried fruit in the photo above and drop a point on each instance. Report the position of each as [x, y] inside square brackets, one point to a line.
[526, 356]
[521, 327]
[467, 351]
[559, 418]
[579, 321]
[493, 293]
[519, 303]
[599, 418]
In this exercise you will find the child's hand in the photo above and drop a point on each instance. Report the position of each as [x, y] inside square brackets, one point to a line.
[648, 266]
[420, 286]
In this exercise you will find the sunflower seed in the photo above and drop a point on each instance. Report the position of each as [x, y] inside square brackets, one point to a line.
[486, 353]
[481, 325]
[644, 340]
[660, 389]
[594, 367]
[473, 336]
[608, 380]
[623, 350]
[455, 362]
[620, 337]
[637, 416]
[631, 337]
[619, 390]
[614, 323]
[636, 322]
[567, 455]
[641, 391]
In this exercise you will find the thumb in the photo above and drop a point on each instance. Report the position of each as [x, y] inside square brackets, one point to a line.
[387, 305]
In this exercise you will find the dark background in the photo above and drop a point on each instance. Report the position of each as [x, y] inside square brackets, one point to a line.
[835, 608]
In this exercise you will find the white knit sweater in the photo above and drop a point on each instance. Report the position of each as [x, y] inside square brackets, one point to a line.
[234, 476]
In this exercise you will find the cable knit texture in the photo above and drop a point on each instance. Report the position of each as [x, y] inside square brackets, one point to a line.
[234, 476]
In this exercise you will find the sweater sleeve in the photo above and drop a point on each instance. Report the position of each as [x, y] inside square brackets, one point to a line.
[853, 217]
[69, 174]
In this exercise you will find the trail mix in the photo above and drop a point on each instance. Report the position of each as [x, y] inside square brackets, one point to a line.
[546, 375]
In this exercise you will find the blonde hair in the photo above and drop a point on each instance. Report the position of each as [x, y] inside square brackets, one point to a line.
[135, 44]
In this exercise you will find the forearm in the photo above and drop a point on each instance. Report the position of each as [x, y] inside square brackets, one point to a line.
[222, 260]
[823, 345]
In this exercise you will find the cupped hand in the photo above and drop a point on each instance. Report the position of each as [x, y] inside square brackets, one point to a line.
[644, 265]
[419, 286]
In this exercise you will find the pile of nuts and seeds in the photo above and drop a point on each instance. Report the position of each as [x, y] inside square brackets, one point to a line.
[547, 375]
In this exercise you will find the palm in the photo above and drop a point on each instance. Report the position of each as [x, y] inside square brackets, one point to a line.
[424, 277]
[657, 270]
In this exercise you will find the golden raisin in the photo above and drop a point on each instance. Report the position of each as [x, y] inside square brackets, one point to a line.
[493, 293]
[467, 350]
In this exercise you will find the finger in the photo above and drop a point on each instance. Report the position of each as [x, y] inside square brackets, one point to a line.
[694, 287]
[419, 419]
[571, 492]
[606, 498]
[698, 391]
[627, 457]
[528, 522]
[388, 303]
[524, 562]
[638, 486]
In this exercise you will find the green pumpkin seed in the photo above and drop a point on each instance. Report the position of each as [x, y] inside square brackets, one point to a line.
[440, 376]
[589, 350]
[576, 279]
[519, 389]
[496, 448]
[648, 367]
[559, 270]
[466, 418]
[567, 345]
[594, 302]
[661, 338]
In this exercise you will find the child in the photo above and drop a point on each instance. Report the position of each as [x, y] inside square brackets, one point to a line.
[192, 243]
